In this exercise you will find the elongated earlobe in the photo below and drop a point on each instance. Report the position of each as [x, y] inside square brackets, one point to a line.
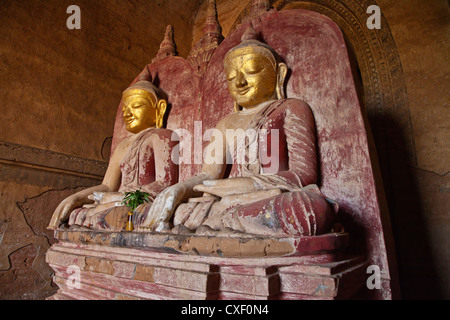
[281, 76]
[236, 107]
[160, 112]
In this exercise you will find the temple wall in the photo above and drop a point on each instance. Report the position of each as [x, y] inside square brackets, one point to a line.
[55, 131]
[420, 217]
[90, 67]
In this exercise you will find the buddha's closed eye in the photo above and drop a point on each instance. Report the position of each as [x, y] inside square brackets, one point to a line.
[231, 77]
[254, 70]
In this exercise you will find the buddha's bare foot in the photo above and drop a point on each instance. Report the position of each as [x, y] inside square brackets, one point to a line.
[181, 229]
[163, 227]
[206, 230]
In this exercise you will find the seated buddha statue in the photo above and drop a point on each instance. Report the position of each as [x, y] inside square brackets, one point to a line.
[142, 161]
[269, 193]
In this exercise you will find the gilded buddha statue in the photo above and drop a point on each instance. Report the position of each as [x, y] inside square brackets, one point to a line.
[267, 194]
[142, 160]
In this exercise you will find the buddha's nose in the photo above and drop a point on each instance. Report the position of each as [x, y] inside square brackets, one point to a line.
[240, 80]
[126, 112]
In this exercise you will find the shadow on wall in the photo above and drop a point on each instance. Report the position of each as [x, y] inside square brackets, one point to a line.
[417, 267]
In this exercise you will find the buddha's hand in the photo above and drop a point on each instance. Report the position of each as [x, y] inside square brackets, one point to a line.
[157, 216]
[61, 213]
[106, 197]
[227, 187]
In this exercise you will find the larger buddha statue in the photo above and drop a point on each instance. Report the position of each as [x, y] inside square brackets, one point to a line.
[269, 193]
[142, 160]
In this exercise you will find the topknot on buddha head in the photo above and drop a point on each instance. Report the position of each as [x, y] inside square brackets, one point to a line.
[144, 82]
[250, 42]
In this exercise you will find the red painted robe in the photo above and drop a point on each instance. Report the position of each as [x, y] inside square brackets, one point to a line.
[147, 165]
[301, 209]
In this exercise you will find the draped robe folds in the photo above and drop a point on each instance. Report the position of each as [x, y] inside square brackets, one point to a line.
[288, 201]
[138, 170]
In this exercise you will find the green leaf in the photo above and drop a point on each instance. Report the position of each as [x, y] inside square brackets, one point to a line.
[134, 199]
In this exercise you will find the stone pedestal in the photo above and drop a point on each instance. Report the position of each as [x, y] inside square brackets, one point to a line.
[93, 265]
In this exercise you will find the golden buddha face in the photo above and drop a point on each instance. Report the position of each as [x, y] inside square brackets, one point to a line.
[253, 76]
[141, 110]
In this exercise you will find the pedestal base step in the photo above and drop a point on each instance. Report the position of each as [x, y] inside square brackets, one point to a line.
[90, 271]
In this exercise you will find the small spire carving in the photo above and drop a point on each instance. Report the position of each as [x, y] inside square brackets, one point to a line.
[145, 75]
[212, 30]
[212, 36]
[167, 46]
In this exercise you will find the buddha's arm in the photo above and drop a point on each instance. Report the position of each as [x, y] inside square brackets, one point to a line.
[289, 160]
[297, 150]
[111, 182]
[166, 171]
[220, 187]
[214, 166]
[227, 187]
[166, 202]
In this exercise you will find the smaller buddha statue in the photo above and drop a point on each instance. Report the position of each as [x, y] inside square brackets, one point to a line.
[269, 193]
[142, 161]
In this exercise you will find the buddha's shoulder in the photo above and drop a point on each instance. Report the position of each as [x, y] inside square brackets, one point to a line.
[293, 104]
[161, 135]
[148, 137]
[226, 121]
[162, 132]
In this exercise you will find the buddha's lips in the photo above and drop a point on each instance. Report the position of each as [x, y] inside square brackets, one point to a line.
[244, 91]
[128, 120]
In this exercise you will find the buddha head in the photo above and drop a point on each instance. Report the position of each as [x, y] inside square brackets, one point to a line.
[143, 106]
[254, 72]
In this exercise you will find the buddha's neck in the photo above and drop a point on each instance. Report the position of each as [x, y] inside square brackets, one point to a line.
[132, 136]
[256, 108]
